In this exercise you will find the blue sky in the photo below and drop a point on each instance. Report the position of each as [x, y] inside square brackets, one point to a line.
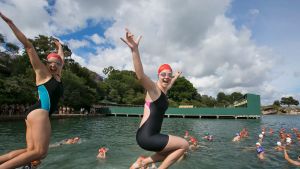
[247, 46]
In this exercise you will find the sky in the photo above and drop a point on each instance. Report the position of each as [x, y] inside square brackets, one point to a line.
[220, 46]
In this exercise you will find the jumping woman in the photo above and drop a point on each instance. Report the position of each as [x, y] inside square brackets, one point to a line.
[168, 149]
[50, 89]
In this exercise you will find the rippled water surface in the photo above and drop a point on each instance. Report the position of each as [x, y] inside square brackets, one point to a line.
[118, 134]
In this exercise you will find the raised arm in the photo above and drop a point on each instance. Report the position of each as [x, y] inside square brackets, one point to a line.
[286, 156]
[38, 66]
[59, 49]
[132, 43]
[177, 74]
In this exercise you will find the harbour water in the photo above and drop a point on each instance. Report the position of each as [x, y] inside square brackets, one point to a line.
[118, 134]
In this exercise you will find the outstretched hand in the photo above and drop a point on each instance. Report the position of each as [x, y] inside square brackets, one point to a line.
[177, 74]
[130, 41]
[6, 19]
[57, 43]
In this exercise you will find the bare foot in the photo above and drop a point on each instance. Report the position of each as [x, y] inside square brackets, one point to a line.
[138, 164]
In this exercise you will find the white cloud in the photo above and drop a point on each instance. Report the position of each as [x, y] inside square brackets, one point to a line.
[75, 44]
[30, 16]
[79, 59]
[97, 39]
[254, 12]
[203, 43]
[2, 48]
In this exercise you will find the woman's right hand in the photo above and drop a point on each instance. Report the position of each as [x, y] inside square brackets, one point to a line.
[130, 41]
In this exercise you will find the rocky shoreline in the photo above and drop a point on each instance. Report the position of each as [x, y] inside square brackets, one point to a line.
[274, 110]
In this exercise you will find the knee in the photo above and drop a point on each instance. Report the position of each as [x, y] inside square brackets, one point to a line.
[185, 145]
[41, 153]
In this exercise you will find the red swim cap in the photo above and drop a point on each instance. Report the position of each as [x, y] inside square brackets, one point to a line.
[55, 55]
[164, 67]
[101, 150]
[193, 140]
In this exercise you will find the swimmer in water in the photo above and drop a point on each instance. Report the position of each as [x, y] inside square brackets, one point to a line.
[288, 139]
[208, 137]
[237, 137]
[194, 144]
[102, 153]
[260, 138]
[168, 148]
[260, 151]
[279, 146]
[294, 162]
[244, 133]
[66, 141]
[271, 131]
[50, 90]
[186, 135]
[282, 136]
[72, 140]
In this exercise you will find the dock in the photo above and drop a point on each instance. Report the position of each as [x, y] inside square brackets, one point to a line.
[247, 107]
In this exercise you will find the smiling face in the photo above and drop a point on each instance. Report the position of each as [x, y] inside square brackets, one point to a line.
[165, 77]
[54, 65]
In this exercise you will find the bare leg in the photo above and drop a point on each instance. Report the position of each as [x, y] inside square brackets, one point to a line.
[11, 155]
[15, 153]
[40, 130]
[175, 148]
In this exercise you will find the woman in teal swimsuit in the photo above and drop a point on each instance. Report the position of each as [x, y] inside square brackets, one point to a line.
[38, 127]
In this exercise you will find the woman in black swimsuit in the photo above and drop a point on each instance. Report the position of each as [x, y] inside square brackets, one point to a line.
[38, 127]
[168, 148]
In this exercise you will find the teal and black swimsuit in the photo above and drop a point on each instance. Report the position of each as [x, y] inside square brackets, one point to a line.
[49, 94]
[148, 135]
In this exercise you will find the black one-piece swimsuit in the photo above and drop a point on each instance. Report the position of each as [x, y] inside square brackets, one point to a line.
[148, 135]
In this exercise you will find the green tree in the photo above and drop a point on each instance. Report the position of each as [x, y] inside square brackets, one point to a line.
[183, 90]
[107, 70]
[123, 87]
[17, 89]
[289, 101]
[76, 93]
[235, 96]
[276, 103]
[208, 101]
[1, 39]
[222, 99]
[12, 48]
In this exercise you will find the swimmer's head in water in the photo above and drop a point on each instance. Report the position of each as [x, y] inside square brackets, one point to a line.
[278, 143]
[258, 144]
[75, 139]
[165, 74]
[260, 136]
[54, 63]
[102, 150]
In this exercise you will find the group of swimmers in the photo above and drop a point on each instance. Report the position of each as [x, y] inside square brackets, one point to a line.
[285, 142]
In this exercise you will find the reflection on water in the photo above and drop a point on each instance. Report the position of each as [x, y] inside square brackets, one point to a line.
[118, 134]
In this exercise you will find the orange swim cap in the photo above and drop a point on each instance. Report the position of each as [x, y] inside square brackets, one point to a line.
[164, 67]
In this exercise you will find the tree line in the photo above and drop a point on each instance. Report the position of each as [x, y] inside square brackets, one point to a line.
[83, 87]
